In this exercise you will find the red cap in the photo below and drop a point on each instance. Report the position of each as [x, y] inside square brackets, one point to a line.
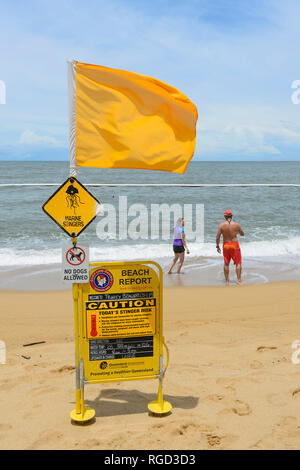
[228, 213]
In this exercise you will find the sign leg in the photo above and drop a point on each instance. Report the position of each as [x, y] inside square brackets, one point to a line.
[86, 413]
[80, 413]
[159, 406]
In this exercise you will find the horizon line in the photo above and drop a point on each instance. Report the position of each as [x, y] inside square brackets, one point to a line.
[192, 161]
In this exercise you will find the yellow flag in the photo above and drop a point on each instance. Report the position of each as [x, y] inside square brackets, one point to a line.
[120, 119]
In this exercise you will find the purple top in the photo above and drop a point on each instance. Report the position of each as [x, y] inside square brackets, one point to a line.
[177, 236]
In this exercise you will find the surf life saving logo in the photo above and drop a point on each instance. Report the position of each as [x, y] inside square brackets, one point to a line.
[101, 280]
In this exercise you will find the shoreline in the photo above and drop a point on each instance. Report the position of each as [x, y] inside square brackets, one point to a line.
[202, 272]
[231, 380]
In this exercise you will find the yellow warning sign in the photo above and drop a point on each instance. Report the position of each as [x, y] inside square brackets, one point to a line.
[122, 312]
[119, 329]
[118, 318]
[72, 207]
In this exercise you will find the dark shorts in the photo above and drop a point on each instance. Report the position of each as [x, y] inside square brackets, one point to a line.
[178, 249]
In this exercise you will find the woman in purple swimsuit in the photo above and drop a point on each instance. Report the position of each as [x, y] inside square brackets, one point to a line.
[179, 246]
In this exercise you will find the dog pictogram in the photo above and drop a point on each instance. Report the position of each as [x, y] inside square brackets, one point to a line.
[75, 256]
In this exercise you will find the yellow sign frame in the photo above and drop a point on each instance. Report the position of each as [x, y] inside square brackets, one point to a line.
[84, 366]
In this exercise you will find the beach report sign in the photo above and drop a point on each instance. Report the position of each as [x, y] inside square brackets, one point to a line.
[119, 329]
[122, 306]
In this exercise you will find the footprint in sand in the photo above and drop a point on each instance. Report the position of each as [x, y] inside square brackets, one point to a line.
[5, 427]
[92, 444]
[277, 399]
[159, 426]
[213, 440]
[216, 397]
[239, 408]
[288, 421]
[184, 429]
[35, 412]
[220, 441]
[183, 333]
[256, 365]
[227, 383]
[187, 368]
[47, 439]
[64, 369]
[69, 339]
[286, 433]
[296, 393]
[280, 360]
[265, 348]
[8, 386]
[44, 390]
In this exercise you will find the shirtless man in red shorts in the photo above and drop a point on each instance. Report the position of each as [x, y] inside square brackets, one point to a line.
[231, 249]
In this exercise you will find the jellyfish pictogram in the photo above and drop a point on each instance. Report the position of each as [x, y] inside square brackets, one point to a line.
[73, 199]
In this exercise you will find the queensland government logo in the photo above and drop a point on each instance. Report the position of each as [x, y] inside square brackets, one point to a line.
[101, 280]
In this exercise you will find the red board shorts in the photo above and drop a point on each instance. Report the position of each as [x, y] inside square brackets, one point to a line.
[232, 251]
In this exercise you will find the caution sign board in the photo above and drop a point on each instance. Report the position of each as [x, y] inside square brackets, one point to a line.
[75, 263]
[72, 207]
[118, 330]
[122, 331]
[118, 318]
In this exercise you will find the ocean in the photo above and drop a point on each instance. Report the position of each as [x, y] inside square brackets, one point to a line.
[30, 242]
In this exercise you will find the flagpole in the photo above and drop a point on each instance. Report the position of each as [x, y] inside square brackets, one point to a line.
[72, 115]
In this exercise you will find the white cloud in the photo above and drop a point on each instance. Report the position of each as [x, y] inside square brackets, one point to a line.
[248, 131]
[31, 138]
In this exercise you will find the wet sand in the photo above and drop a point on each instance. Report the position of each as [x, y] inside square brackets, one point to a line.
[201, 272]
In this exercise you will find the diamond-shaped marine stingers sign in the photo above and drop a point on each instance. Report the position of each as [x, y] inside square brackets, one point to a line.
[72, 207]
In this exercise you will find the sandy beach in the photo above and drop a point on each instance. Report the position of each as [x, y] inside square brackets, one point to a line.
[231, 380]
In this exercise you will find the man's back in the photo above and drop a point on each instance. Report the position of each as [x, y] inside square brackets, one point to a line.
[231, 249]
[230, 230]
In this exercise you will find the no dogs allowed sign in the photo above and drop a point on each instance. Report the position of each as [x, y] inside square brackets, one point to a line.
[75, 263]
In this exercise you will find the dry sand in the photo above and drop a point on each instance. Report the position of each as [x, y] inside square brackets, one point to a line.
[231, 380]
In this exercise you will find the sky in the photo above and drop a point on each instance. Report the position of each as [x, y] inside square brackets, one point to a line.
[236, 60]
